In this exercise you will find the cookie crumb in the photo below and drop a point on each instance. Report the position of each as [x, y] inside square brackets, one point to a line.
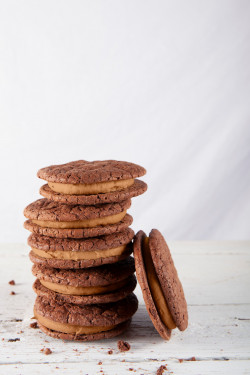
[47, 351]
[131, 369]
[12, 282]
[110, 352]
[99, 363]
[12, 293]
[180, 360]
[161, 369]
[193, 359]
[13, 340]
[34, 325]
[123, 346]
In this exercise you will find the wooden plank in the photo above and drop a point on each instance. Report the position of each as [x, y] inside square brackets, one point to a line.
[141, 368]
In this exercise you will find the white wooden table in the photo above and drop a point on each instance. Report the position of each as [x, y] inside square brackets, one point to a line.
[216, 279]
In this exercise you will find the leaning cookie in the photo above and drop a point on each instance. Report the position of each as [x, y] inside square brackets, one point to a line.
[49, 214]
[162, 290]
[104, 284]
[80, 253]
[84, 323]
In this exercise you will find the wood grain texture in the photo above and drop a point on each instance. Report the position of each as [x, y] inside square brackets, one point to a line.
[215, 276]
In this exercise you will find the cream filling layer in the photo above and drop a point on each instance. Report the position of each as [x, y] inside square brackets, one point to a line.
[90, 223]
[155, 288]
[88, 189]
[70, 328]
[80, 255]
[82, 290]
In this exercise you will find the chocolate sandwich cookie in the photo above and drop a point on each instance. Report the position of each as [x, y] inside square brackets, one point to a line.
[84, 323]
[91, 177]
[103, 284]
[80, 232]
[80, 253]
[137, 188]
[63, 220]
[162, 290]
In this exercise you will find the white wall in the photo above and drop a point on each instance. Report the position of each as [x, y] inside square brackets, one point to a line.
[161, 83]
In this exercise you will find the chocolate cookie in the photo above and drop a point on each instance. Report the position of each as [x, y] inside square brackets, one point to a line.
[102, 284]
[84, 323]
[80, 232]
[80, 253]
[162, 290]
[47, 213]
[114, 296]
[89, 172]
[139, 187]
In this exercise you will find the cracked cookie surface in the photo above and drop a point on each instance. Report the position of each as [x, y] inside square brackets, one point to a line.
[89, 172]
[46, 210]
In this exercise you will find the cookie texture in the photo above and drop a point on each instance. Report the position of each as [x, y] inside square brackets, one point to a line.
[89, 315]
[168, 278]
[75, 264]
[89, 172]
[120, 328]
[80, 232]
[164, 331]
[114, 296]
[44, 209]
[99, 276]
[139, 187]
[110, 241]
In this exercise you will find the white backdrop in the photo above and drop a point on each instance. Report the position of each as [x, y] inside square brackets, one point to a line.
[165, 84]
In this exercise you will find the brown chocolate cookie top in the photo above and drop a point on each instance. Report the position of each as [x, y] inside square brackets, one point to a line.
[96, 276]
[168, 278]
[110, 241]
[164, 331]
[89, 172]
[139, 187]
[89, 315]
[44, 209]
[79, 232]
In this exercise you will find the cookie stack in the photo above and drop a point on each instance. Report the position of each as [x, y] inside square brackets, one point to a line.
[81, 246]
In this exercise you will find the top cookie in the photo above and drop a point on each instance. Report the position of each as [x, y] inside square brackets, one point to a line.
[89, 172]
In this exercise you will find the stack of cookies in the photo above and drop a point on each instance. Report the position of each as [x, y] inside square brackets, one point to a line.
[81, 245]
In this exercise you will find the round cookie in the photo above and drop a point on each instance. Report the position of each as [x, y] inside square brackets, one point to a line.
[84, 323]
[114, 296]
[102, 284]
[46, 213]
[162, 290]
[80, 253]
[80, 232]
[139, 187]
[90, 172]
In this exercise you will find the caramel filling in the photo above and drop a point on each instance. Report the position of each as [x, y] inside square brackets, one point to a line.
[79, 255]
[87, 189]
[82, 290]
[70, 328]
[90, 223]
[155, 288]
